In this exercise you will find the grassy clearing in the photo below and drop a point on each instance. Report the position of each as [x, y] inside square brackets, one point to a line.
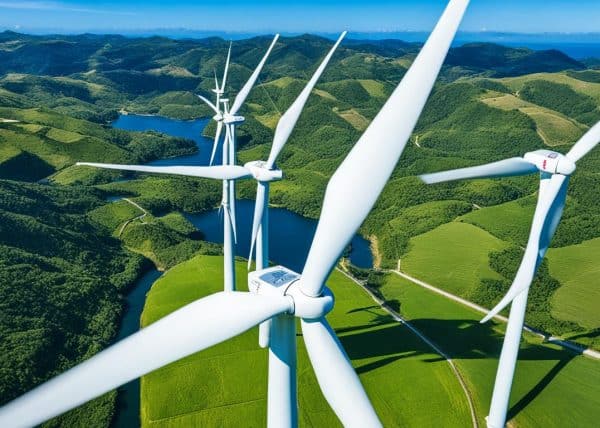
[577, 268]
[510, 221]
[269, 119]
[587, 88]
[373, 87]
[113, 215]
[552, 388]
[282, 82]
[554, 128]
[354, 118]
[453, 256]
[226, 385]
[324, 94]
[63, 136]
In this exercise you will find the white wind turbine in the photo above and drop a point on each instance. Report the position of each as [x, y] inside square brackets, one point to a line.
[224, 115]
[259, 170]
[275, 292]
[227, 172]
[555, 170]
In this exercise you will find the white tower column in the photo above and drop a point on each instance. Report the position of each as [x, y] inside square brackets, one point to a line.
[508, 362]
[282, 402]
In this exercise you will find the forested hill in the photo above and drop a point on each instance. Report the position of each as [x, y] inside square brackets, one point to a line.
[65, 255]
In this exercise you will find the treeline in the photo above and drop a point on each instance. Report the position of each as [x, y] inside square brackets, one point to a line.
[491, 291]
[61, 280]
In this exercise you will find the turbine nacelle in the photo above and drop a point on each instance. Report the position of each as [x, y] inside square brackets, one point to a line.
[281, 281]
[218, 117]
[551, 162]
[261, 172]
[230, 119]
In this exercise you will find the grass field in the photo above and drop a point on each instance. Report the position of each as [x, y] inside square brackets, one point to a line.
[577, 268]
[510, 221]
[354, 118]
[554, 128]
[553, 387]
[586, 88]
[453, 256]
[225, 385]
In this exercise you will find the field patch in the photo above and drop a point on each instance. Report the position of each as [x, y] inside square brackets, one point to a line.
[63, 136]
[453, 256]
[577, 268]
[354, 118]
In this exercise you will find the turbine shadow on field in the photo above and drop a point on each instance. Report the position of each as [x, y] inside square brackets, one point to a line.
[539, 387]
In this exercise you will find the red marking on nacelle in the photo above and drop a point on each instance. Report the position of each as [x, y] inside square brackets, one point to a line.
[544, 164]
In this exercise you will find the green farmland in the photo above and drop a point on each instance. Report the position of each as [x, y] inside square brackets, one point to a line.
[226, 385]
[552, 388]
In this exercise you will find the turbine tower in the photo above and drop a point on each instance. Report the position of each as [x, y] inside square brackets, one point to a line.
[275, 291]
[555, 170]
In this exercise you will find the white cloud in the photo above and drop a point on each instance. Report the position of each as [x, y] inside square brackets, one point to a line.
[56, 6]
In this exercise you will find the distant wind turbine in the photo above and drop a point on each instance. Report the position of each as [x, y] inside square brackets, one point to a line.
[555, 170]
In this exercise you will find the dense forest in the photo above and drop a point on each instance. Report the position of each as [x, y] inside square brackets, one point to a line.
[66, 260]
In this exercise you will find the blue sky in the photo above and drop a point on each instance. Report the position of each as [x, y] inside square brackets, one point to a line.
[530, 16]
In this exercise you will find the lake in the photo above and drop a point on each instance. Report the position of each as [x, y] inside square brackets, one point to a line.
[290, 236]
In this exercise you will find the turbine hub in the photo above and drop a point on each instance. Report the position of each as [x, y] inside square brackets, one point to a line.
[260, 172]
[551, 162]
[279, 280]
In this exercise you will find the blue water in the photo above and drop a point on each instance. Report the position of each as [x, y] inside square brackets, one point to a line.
[128, 399]
[190, 129]
[290, 235]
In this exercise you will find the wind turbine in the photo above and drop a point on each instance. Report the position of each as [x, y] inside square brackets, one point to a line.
[224, 115]
[277, 291]
[555, 170]
[262, 172]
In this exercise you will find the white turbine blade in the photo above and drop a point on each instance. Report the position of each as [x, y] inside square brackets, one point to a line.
[216, 80]
[357, 183]
[288, 120]
[551, 195]
[225, 172]
[503, 168]
[586, 143]
[260, 206]
[211, 105]
[243, 94]
[190, 329]
[226, 69]
[216, 142]
[336, 376]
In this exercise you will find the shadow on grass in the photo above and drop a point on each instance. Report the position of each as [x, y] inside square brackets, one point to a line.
[388, 342]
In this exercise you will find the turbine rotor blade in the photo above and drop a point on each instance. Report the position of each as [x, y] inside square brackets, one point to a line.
[226, 68]
[586, 143]
[243, 94]
[225, 172]
[550, 204]
[288, 120]
[216, 142]
[194, 327]
[336, 376]
[503, 168]
[211, 105]
[260, 206]
[370, 163]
